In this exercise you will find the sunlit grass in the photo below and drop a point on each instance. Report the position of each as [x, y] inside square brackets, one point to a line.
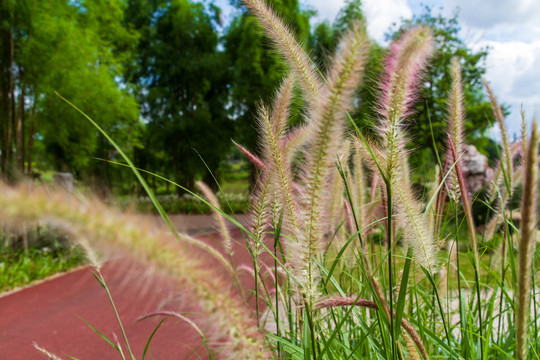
[41, 260]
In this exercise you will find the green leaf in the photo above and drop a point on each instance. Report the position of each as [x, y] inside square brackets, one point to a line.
[151, 336]
[101, 335]
[306, 337]
[403, 292]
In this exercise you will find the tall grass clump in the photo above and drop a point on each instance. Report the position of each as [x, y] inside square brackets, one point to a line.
[348, 261]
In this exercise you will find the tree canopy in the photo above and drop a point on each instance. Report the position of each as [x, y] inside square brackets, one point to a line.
[169, 80]
[182, 84]
[73, 48]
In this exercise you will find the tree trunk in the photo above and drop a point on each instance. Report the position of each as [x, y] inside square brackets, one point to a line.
[5, 104]
[11, 105]
[8, 101]
[20, 129]
[4, 14]
[31, 130]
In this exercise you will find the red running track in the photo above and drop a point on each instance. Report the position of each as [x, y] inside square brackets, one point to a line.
[50, 314]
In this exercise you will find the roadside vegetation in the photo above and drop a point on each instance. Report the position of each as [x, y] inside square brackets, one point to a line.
[49, 255]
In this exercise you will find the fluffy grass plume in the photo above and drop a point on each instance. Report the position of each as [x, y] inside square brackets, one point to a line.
[467, 208]
[220, 220]
[456, 119]
[44, 352]
[108, 230]
[281, 108]
[325, 135]
[290, 49]
[501, 195]
[526, 242]
[403, 68]
[278, 168]
[402, 71]
[359, 184]
[507, 155]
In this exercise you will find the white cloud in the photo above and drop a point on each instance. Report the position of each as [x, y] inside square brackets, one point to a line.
[508, 61]
[510, 29]
[326, 9]
[381, 14]
[513, 69]
[486, 14]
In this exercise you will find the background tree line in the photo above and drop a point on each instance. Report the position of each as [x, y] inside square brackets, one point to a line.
[168, 80]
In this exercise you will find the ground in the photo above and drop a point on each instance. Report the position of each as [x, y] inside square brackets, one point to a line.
[51, 313]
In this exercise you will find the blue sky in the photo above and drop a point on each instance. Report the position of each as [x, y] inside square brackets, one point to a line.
[509, 28]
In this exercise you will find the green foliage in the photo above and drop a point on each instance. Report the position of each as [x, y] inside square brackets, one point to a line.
[46, 257]
[76, 49]
[182, 87]
[324, 38]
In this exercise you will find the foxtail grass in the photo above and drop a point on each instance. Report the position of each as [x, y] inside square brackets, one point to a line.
[403, 68]
[220, 220]
[456, 119]
[326, 129]
[527, 242]
[109, 230]
[289, 47]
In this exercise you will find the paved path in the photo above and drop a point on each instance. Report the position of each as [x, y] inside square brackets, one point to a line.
[50, 313]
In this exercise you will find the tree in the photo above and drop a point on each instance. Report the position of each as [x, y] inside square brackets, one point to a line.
[325, 36]
[66, 47]
[182, 90]
[7, 79]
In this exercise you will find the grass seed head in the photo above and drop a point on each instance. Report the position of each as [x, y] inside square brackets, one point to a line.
[111, 231]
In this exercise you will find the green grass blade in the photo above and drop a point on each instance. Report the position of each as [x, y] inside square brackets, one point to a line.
[130, 164]
[116, 314]
[434, 197]
[337, 259]
[337, 329]
[289, 347]
[306, 337]
[400, 306]
[99, 280]
[151, 336]
[72, 357]
[385, 179]
[101, 335]
[430, 278]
